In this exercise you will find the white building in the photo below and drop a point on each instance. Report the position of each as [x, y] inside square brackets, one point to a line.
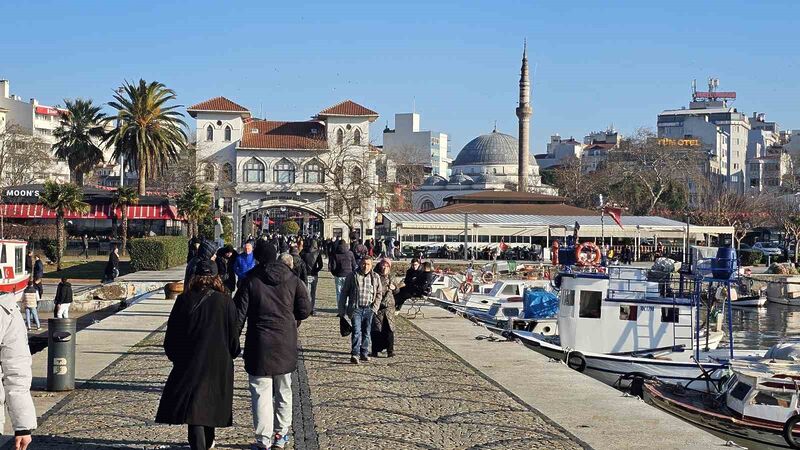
[768, 161]
[559, 150]
[3, 113]
[791, 142]
[39, 120]
[267, 171]
[722, 131]
[592, 152]
[406, 137]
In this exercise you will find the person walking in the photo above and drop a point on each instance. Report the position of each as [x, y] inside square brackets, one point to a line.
[63, 299]
[244, 262]
[112, 266]
[298, 266]
[206, 252]
[312, 258]
[85, 243]
[360, 294]
[341, 265]
[273, 301]
[383, 323]
[38, 274]
[15, 368]
[30, 298]
[201, 342]
[226, 256]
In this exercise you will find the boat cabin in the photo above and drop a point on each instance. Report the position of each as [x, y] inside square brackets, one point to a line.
[763, 390]
[620, 311]
[13, 273]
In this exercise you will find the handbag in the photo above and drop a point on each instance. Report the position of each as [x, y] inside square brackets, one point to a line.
[344, 327]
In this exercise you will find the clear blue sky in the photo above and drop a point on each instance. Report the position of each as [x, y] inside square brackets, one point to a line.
[597, 62]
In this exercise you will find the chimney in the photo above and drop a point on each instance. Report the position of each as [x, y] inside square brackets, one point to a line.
[5, 88]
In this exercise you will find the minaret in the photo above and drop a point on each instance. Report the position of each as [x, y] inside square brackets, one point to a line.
[524, 113]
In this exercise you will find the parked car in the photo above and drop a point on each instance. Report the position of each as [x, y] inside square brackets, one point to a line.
[768, 248]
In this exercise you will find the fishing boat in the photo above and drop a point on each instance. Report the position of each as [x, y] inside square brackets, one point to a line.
[511, 290]
[619, 324]
[758, 404]
[14, 275]
[785, 291]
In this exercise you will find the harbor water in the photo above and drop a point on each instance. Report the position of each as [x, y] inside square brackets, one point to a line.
[763, 327]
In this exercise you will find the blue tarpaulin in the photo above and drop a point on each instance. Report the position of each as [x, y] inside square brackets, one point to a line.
[539, 304]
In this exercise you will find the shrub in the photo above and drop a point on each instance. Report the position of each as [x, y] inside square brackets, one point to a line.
[782, 269]
[157, 253]
[49, 247]
[750, 257]
[289, 228]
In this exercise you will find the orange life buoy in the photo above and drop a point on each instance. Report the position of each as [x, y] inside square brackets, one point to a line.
[592, 258]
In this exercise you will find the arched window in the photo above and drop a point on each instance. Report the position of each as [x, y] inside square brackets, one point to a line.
[227, 173]
[427, 205]
[339, 136]
[314, 172]
[209, 133]
[254, 171]
[208, 172]
[283, 171]
[357, 137]
[356, 175]
[227, 133]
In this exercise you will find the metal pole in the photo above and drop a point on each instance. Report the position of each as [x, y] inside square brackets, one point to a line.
[730, 317]
[466, 235]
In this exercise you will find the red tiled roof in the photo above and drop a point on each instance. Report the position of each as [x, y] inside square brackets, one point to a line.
[289, 135]
[347, 108]
[218, 104]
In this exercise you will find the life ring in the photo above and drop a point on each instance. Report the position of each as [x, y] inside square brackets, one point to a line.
[487, 277]
[576, 361]
[788, 429]
[592, 259]
[466, 288]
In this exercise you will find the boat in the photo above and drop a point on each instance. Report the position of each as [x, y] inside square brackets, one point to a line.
[511, 290]
[757, 405]
[14, 275]
[784, 292]
[620, 324]
[750, 301]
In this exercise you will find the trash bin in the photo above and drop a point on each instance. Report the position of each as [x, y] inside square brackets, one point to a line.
[61, 336]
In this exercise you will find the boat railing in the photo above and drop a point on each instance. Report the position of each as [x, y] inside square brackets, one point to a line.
[652, 286]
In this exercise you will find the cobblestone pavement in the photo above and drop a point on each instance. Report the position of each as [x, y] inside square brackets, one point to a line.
[424, 398]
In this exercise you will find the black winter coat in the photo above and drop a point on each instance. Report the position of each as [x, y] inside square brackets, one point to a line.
[225, 270]
[298, 266]
[63, 293]
[313, 261]
[272, 300]
[342, 263]
[201, 341]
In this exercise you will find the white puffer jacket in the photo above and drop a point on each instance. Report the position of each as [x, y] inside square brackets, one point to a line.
[15, 367]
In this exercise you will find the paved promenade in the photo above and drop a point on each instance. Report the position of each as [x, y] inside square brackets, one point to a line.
[424, 398]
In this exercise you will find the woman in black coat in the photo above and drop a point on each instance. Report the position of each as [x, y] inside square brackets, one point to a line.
[201, 341]
[410, 284]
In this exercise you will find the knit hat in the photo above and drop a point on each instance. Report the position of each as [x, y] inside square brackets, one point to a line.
[265, 252]
[207, 249]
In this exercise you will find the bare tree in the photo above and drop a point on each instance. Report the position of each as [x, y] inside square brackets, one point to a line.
[655, 168]
[24, 158]
[740, 211]
[785, 214]
[577, 185]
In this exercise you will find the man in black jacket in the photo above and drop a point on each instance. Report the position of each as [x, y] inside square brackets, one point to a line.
[312, 258]
[341, 264]
[273, 301]
[63, 299]
[206, 252]
[225, 258]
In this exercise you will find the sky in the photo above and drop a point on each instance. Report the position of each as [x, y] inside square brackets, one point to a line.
[595, 63]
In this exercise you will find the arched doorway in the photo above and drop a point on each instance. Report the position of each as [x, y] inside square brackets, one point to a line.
[269, 215]
[277, 216]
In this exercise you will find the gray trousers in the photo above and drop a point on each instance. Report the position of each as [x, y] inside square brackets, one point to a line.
[271, 403]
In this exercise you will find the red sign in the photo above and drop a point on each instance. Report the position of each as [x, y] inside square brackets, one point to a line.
[731, 95]
[47, 111]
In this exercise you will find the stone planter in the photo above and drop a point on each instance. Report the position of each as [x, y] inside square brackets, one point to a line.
[171, 290]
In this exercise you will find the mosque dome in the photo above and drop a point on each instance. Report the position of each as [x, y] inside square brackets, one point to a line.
[493, 148]
[460, 178]
[435, 180]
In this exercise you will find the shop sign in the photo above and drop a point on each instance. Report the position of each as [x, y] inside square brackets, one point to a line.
[18, 194]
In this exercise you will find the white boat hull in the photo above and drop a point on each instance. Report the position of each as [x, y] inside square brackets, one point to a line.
[749, 302]
[612, 369]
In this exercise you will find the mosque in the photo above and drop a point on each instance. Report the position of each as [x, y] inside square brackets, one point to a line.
[491, 162]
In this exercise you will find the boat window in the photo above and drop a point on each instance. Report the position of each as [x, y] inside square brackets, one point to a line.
[3, 257]
[511, 289]
[567, 297]
[669, 315]
[590, 304]
[496, 289]
[628, 312]
[511, 312]
[740, 391]
[18, 261]
[775, 399]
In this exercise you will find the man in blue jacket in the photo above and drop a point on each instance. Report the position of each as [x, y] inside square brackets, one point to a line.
[244, 262]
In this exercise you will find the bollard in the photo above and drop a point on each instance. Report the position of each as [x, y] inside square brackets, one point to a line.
[61, 337]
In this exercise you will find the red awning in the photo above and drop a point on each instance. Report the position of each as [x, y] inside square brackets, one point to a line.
[38, 211]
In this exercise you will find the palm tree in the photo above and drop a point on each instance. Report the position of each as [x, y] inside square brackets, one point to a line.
[125, 196]
[148, 134]
[193, 203]
[77, 136]
[62, 198]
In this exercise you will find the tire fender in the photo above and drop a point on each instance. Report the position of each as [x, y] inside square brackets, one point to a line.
[788, 427]
[576, 361]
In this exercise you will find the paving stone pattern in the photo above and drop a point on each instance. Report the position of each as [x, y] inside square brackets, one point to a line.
[424, 398]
